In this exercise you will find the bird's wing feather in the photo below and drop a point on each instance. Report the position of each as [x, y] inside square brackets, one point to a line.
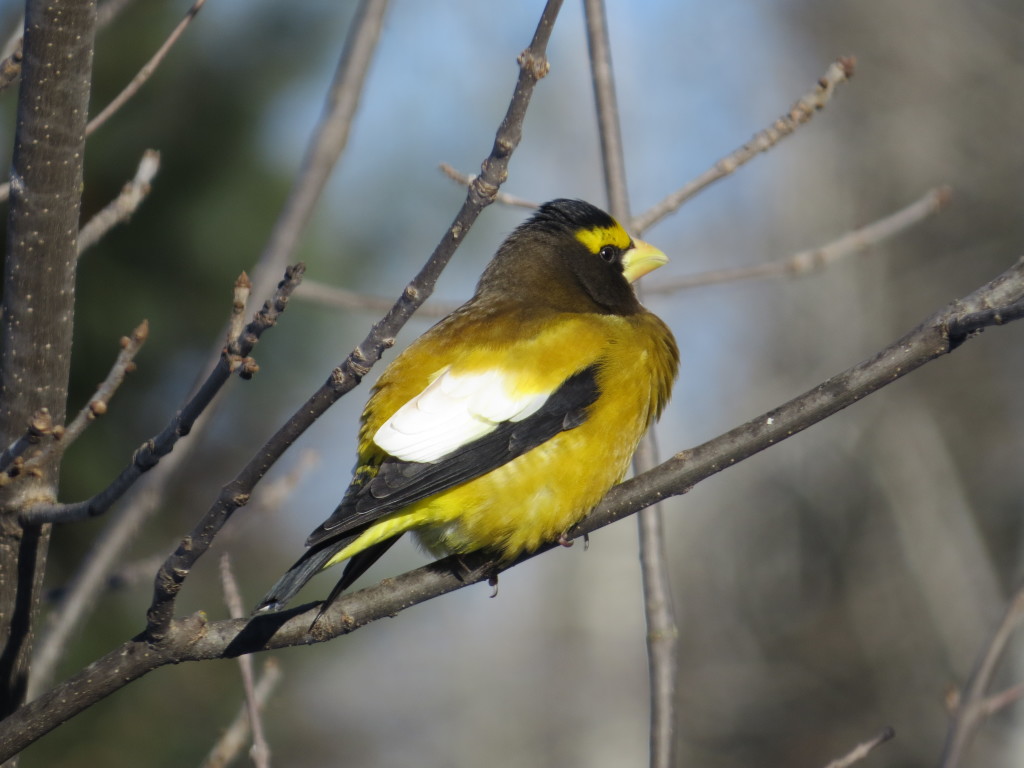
[400, 481]
[455, 409]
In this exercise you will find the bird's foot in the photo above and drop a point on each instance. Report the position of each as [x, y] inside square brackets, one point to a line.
[565, 541]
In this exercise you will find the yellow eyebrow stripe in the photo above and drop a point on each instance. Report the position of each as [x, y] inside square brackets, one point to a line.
[597, 237]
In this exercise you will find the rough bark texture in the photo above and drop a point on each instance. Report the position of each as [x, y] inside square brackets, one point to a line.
[38, 293]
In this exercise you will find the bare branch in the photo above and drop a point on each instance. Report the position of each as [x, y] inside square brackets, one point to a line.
[659, 611]
[862, 750]
[260, 751]
[502, 197]
[124, 205]
[10, 70]
[533, 65]
[973, 707]
[330, 136]
[97, 406]
[93, 574]
[146, 72]
[240, 297]
[234, 738]
[10, 67]
[39, 426]
[337, 297]
[850, 244]
[1003, 699]
[39, 295]
[110, 10]
[194, 638]
[234, 358]
[799, 114]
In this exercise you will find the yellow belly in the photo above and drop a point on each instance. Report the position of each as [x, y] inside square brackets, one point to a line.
[536, 497]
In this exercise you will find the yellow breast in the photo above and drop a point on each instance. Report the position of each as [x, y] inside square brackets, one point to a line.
[541, 494]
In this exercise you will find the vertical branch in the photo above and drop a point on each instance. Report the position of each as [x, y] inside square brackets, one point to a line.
[662, 637]
[325, 147]
[38, 293]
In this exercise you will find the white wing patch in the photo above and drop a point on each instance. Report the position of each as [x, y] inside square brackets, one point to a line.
[455, 409]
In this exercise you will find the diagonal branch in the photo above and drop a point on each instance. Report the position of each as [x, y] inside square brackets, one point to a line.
[973, 706]
[330, 136]
[194, 638]
[853, 242]
[121, 208]
[533, 66]
[97, 405]
[659, 611]
[233, 358]
[39, 426]
[863, 749]
[799, 114]
[146, 72]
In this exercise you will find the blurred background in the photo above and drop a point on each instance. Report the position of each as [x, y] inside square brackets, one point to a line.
[838, 583]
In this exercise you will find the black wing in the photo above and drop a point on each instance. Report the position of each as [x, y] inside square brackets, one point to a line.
[400, 483]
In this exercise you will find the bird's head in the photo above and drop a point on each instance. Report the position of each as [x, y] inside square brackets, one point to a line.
[572, 256]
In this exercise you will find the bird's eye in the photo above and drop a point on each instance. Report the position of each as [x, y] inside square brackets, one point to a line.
[608, 253]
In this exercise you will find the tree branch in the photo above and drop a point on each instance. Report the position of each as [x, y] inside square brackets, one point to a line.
[194, 638]
[532, 66]
[326, 145]
[852, 243]
[973, 706]
[260, 751]
[233, 358]
[862, 750]
[39, 294]
[799, 114]
[659, 610]
[146, 72]
[336, 297]
[121, 208]
[233, 739]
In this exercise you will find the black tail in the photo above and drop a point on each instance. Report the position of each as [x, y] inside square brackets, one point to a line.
[354, 568]
[312, 562]
[305, 568]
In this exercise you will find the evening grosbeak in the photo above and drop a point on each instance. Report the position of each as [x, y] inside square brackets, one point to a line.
[503, 425]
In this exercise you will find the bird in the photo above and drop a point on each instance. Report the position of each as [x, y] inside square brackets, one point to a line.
[505, 423]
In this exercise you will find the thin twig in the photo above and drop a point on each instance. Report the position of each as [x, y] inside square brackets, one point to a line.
[850, 244]
[999, 701]
[97, 405]
[234, 358]
[85, 586]
[145, 497]
[110, 10]
[973, 706]
[146, 72]
[330, 136]
[800, 113]
[240, 297]
[532, 66]
[862, 750]
[260, 751]
[195, 638]
[10, 67]
[336, 297]
[659, 610]
[124, 577]
[124, 205]
[233, 740]
[502, 197]
[39, 426]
